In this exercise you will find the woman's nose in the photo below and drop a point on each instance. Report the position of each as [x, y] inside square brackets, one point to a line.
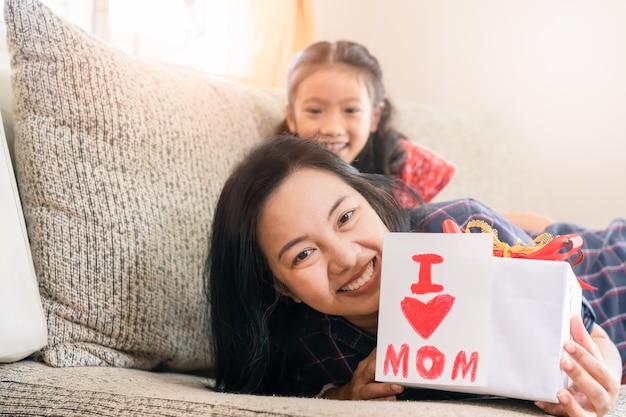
[342, 257]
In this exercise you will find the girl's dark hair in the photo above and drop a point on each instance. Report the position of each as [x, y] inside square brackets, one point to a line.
[248, 315]
[382, 153]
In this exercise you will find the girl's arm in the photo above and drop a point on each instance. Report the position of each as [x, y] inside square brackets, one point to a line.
[594, 365]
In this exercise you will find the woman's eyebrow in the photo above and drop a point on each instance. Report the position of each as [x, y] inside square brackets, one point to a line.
[289, 245]
[299, 239]
[334, 206]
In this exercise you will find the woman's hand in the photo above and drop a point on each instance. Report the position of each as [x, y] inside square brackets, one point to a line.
[363, 387]
[594, 366]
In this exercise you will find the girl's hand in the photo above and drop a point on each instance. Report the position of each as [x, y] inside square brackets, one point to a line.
[593, 364]
[363, 387]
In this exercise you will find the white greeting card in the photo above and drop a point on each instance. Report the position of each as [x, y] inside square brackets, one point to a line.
[435, 309]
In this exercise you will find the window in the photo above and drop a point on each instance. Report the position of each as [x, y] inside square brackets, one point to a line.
[193, 33]
[249, 40]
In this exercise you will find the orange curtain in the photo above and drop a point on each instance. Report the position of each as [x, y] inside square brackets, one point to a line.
[280, 28]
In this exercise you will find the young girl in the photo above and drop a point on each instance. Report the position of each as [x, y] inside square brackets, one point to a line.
[294, 272]
[335, 94]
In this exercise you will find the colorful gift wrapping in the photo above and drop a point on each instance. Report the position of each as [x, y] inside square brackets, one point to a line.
[545, 246]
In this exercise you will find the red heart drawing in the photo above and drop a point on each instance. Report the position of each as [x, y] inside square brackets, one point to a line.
[426, 317]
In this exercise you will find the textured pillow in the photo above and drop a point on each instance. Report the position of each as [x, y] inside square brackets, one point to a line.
[119, 164]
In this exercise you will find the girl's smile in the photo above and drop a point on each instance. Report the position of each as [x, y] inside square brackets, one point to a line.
[336, 147]
[323, 241]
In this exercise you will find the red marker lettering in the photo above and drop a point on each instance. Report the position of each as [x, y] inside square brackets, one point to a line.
[425, 284]
[396, 360]
[460, 362]
[437, 359]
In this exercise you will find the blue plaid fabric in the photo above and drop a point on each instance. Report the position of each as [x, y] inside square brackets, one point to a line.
[327, 350]
[604, 267]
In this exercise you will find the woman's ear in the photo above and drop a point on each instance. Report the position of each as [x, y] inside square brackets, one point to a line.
[291, 120]
[376, 115]
[283, 290]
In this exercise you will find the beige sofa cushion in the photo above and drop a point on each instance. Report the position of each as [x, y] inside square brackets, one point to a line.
[119, 163]
[30, 388]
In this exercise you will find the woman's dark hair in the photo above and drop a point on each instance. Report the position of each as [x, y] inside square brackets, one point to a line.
[382, 153]
[248, 315]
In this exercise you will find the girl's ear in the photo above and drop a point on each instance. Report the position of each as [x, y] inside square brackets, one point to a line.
[291, 120]
[376, 115]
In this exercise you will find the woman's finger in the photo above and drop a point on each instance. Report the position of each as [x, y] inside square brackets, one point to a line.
[380, 391]
[582, 337]
[594, 381]
[589, 367]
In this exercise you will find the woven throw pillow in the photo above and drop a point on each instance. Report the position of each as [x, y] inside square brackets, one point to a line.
[119, 164]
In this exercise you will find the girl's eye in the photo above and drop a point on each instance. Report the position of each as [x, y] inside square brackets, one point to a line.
[345, 217]
[352, 110]
[302, 256]
[313, 111]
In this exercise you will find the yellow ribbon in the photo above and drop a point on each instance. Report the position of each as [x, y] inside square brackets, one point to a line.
[504, 249]
[532, 250]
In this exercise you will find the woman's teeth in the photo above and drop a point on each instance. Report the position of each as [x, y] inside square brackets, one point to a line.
[364, 279]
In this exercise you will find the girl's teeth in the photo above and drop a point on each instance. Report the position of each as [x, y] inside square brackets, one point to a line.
[365, 278]
[334, 146]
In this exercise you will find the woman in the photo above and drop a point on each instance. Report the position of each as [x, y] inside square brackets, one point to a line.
[294, 271]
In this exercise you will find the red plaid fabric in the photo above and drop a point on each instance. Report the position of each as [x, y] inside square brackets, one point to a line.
[424, 171]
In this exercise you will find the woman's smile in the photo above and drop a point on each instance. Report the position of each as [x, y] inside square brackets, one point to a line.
[360, 281]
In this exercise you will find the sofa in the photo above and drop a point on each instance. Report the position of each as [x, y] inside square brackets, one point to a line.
[119, 163]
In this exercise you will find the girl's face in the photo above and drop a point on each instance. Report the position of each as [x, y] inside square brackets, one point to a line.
[333, 105]
[323, 241]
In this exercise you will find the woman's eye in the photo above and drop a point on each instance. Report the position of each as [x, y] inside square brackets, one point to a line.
[302, 256]
[345, 217]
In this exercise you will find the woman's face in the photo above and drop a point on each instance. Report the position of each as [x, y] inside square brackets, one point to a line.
[323, 241]
[333, 105]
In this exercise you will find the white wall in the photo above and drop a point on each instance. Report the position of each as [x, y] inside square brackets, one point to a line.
[554, 70]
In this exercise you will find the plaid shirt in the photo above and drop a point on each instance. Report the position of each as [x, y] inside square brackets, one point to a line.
[328, 349]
